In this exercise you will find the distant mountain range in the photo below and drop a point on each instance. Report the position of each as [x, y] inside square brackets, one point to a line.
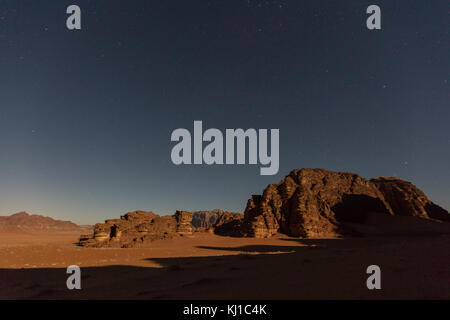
[24, 222]
[207, 218]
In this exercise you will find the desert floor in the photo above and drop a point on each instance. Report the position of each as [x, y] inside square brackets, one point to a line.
[206, 266]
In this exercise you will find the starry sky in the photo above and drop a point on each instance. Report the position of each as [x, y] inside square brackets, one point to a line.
[86, 116]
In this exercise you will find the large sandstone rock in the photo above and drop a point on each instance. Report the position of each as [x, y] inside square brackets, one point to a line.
[141, 227]
[319, 203]
[137, 228]
[406, 199]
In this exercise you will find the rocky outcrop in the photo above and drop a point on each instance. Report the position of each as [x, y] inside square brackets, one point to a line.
[184, 220]
[319, 203]
[137, 228]
[406, 199]
[309, 203]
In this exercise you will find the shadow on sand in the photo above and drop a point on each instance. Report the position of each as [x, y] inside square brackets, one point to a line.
[412, 268]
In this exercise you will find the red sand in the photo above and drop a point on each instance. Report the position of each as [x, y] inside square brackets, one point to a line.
[205, 266]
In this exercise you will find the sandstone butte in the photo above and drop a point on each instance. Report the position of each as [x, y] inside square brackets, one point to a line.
[308, 203]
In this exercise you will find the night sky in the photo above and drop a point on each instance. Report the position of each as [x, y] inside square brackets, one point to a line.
[86, 116]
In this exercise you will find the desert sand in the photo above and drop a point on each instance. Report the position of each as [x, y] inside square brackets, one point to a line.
[207, 266]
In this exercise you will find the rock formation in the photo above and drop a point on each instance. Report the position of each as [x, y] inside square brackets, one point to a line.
[319, 203]
[309, 203]
[184, 220]
[406, 199]
[138, 227]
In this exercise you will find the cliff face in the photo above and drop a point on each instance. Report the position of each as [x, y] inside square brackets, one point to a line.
[406, 199]
[138, 227]
[319, 203]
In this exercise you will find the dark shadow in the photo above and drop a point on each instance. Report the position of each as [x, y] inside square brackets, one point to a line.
[354, 208]
[436, 212]
[301, 269]
[231, 228]
[253, 249]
